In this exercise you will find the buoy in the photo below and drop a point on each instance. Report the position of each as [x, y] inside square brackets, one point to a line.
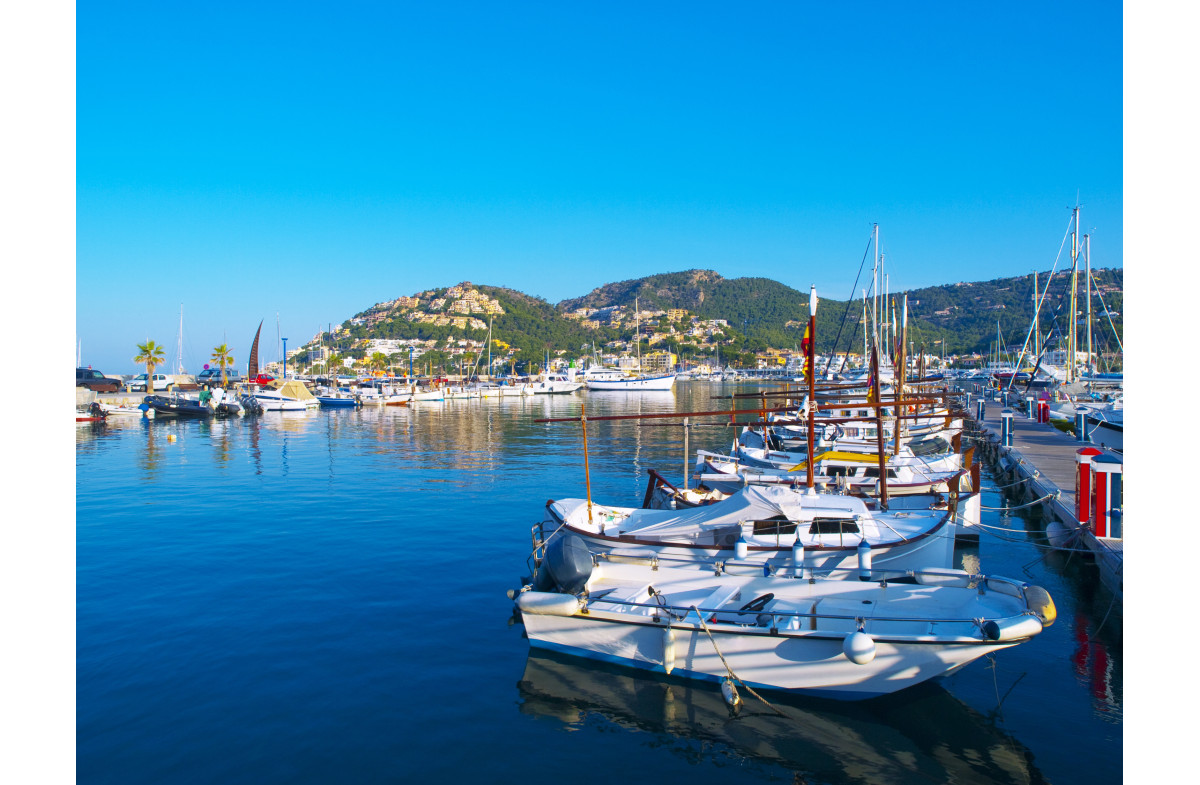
[864, 561]
[859, 648]
[741, 548]
[1058, 535]
[730, 694]
[668, 650]
[798, 559]
[1042, 605]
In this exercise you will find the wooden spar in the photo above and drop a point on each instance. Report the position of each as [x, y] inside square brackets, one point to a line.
[726, 412]
[587, 471]
[883, 495]
[687, 467]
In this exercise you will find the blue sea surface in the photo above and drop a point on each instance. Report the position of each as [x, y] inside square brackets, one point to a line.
[320, 597]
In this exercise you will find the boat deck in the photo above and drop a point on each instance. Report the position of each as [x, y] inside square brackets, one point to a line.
[1045, 456]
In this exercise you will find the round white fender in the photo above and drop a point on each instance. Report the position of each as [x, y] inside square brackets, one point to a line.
[546, 603]
[859, 647]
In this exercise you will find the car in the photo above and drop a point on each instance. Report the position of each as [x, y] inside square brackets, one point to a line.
[212, 376]
[96, 381]
[261, 379]
[138, 383]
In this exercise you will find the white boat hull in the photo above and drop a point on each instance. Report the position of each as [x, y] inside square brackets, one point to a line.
[795, 638]
[634, 384]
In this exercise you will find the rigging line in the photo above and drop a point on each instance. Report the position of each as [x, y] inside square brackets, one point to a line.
[1110, 321]
[849, 300]
[1045, 292]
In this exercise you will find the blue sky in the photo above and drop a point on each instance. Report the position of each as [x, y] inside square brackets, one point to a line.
[311, 159]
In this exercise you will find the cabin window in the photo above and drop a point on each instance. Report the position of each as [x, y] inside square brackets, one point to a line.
[838, 471]
[833, 526]
[863, 413]
[873, 471]
[780, 524]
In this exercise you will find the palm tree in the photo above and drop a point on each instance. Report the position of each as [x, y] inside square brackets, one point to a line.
[153, 356]
[223, 359]
[378, 360]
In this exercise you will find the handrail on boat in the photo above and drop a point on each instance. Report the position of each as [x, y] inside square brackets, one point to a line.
[687, 609]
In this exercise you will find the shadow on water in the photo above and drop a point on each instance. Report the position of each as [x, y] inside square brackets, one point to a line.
[925, 735]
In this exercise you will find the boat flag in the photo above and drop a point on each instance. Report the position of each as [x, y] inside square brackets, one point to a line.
[805, 345]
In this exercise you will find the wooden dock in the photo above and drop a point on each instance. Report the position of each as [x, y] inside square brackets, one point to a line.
[1045, 457]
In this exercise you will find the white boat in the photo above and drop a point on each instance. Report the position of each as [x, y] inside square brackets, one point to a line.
[517, 390]
[286, 396]
[837, 638]
[555, 383]
[613, 380]
[765, 525]
[461, 392]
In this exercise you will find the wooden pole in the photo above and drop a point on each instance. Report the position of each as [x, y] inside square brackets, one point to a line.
[883, 496]
[587, 472]
[687, 469]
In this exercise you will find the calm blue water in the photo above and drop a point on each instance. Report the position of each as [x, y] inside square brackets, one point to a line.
[321, 598]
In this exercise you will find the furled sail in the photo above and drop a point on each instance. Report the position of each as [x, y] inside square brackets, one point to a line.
[252, 371]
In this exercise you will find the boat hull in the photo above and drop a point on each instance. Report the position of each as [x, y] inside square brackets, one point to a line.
[810, 663]
[636, 384]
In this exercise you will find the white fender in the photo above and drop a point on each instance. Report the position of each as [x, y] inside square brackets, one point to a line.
[544, 603]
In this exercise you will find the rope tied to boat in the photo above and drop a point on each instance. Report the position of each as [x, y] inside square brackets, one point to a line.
[729, 670]
[1048, 496]
[1012, 484]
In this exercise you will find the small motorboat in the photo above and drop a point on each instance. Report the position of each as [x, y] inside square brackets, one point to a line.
[765, 529]
[826, 637]
[178, 406]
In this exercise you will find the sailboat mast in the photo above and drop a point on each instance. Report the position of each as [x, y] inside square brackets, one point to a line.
[637, 322]
[1036, 321]
[889, 310]
[875, 289]
[1071, 338]
[865, 360]
[179, 348]
[1087, 261]
[901, 375]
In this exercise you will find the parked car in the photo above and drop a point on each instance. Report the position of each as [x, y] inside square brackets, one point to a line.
[95, 381]
[261, 379]
[138, 383]
[212, 376]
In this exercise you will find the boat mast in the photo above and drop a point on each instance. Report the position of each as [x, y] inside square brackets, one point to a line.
[903, 374]
[179, 349]
[1071, 339]
[637, 331]
[866, 361]
[875, 290]
[1036, 322]
[1087, 261]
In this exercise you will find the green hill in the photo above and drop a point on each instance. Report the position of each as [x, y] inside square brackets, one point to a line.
[759, 312]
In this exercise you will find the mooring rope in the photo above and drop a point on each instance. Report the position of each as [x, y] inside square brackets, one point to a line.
[729, 670]
[1054, 495]
[1012, 484]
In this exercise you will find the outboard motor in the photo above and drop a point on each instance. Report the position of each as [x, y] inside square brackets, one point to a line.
[566, 567]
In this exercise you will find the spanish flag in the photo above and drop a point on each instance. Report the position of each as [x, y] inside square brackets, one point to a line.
[806, 346]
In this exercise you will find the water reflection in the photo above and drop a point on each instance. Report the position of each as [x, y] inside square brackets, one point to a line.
[926, 735]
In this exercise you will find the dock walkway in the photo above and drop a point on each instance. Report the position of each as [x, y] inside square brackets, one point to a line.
[1045, 457]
